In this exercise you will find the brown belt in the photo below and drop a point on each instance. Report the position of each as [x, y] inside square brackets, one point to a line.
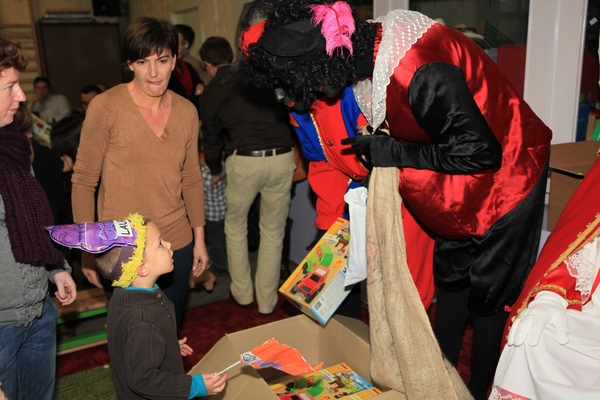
[263, 153]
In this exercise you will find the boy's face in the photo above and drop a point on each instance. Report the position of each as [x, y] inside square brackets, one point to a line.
[158, 255]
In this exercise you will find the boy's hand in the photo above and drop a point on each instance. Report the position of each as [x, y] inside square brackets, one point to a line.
[215, 180]
[185, 349]
[214, 383]
[67, 291]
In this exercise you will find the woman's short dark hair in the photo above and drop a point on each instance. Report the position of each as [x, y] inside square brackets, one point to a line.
[65, 134]
[217, 51]
[11, 55]
[146, 36]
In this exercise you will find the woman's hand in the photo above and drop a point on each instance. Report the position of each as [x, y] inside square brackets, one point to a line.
[200, 253]
[67, 291]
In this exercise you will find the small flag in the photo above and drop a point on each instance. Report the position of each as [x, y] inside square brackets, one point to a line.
[276, 355]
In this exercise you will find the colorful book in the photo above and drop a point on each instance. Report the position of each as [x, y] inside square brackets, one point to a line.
[336, 382]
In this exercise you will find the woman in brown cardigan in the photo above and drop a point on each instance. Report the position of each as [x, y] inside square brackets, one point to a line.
[143, 140]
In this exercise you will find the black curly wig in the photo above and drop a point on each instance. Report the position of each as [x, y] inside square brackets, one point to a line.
[305, 79]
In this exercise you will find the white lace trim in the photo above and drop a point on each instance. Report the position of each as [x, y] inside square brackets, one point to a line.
[582, 266]
[400, 30]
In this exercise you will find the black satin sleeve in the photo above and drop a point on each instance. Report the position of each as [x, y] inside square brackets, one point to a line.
[444, 106]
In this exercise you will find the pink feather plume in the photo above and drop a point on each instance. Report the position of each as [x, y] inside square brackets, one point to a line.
[337, 24]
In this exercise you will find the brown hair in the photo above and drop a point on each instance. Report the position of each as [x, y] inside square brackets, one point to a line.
[11, 55]
[146, 36]
[107, 261]
[24, 118]
[216, 50]
[65, 135]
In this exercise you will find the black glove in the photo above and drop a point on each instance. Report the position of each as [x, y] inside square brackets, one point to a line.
[378, 149]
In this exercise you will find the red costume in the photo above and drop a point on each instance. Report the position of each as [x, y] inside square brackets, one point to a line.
[333, 169]
[472, 156]
[473, 176]
[578, 224]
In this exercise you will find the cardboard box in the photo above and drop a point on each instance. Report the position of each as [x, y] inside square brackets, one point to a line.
[569, 162]
[328, 383]
[342, 340]
[317, 286]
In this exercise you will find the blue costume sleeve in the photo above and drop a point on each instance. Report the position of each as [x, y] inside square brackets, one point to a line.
[198, 388]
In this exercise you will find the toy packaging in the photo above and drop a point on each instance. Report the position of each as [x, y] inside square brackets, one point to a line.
[336, 382]
[317, 286]
[41, 131]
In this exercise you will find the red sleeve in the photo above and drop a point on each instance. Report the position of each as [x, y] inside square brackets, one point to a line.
[562, 283]
[330, 186]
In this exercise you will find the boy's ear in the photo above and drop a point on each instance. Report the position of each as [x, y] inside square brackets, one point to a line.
[142, 270]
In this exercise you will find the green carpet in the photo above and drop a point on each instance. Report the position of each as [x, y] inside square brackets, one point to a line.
[96, 383]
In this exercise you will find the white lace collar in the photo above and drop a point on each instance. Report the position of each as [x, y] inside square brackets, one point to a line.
[400, 30]
[583, 266]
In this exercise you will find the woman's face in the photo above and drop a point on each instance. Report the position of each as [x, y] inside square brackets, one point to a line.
[10, 95]
[151, 74]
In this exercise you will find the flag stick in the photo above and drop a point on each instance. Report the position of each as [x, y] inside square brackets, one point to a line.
[228, 368]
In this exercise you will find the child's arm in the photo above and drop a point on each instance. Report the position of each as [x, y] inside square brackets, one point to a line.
[207, 384]
[185, 349]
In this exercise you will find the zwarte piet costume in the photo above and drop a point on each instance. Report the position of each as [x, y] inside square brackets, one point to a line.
[471, 154]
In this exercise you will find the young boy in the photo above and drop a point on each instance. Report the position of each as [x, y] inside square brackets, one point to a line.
[141, 328]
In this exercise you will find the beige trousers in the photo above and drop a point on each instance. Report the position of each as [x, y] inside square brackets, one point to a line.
[246, 178]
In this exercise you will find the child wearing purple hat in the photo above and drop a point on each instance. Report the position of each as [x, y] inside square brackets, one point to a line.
[141, 328]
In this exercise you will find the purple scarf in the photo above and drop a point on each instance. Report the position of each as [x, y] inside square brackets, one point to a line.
[26, 206]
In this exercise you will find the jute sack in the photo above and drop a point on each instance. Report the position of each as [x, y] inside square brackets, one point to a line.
[405, 355]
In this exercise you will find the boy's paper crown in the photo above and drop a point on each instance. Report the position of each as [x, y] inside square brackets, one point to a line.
[99, 237]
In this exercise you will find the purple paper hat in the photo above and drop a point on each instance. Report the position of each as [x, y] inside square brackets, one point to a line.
[94, 237]
[99, 237]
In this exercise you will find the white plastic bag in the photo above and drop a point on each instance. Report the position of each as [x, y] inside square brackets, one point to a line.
[357, 253]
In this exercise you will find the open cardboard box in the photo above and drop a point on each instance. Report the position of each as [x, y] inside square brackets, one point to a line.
[569, 162]
[343, 339]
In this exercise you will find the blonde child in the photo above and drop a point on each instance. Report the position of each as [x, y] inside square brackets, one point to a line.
[142, 334]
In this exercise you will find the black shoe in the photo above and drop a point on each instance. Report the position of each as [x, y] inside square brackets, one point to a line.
[220, 272]
[232, 299]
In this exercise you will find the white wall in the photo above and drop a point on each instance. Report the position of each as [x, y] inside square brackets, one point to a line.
[555, 41]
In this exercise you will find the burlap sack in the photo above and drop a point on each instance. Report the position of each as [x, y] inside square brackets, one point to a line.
[405, 355]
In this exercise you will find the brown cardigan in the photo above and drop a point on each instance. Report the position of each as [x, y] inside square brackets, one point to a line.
[158, 177]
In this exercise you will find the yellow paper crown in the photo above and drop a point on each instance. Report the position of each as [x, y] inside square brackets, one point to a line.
[129, 268]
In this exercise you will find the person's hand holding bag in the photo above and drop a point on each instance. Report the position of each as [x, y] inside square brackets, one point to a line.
[376, 148]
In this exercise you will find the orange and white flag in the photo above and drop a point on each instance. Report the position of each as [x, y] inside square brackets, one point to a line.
[276, 355]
